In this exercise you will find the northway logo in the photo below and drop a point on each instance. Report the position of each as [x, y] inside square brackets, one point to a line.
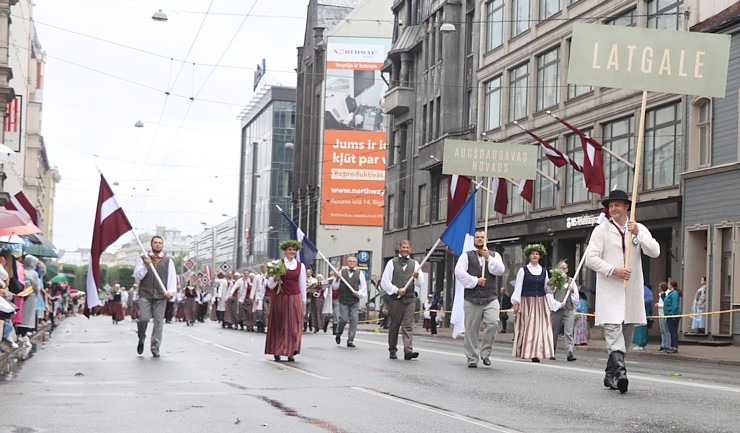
[355, 52]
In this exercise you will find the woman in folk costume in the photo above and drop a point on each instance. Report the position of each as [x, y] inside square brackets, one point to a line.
[190, 305]
[533, 329]
[284, 327]
[116, 305]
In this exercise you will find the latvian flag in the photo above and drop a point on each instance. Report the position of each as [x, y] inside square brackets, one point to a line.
[110, 223]
[22, 204]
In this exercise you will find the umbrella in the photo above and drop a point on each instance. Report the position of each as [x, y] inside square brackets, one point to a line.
[6, 154]
[6, 307]
[40, 246]
[60, 278]
[13, 222]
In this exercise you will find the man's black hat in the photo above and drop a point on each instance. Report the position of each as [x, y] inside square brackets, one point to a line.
[617, 194]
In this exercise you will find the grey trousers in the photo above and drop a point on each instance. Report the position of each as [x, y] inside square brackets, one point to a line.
[474, 315]
[618, 336]
[402, 317]
[335, 311]
[567, 318]
[151, 309]
[348, 313]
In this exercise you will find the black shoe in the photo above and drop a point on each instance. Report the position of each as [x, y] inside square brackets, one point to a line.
[155, 354]
[338, 339]
[472, 365]
[486, 362]
[393, 355]
[350, 344]
[276, 357]
[291, 359]
[535, 359]
[408, 356]
[571, 358]
[140, 347]
[552, 358]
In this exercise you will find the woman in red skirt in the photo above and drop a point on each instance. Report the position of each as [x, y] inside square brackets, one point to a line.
[285, 324]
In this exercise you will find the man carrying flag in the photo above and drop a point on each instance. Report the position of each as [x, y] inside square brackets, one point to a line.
[152, 299]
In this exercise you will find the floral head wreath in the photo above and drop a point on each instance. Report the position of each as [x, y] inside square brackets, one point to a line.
[535, 247]
[290, 243]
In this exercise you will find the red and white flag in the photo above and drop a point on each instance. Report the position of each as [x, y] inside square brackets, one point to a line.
[22, 204]
[110, 223]
[457, 193]
[593, 160]
[500, 195]
[207, 269]
[526, 189]
[557, 157]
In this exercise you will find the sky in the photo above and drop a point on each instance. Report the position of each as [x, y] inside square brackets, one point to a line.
[110, 65]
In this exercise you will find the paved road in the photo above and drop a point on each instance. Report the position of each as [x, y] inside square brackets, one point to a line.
[89, 378]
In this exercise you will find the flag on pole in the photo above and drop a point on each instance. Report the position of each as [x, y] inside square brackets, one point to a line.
[526, 189]
[500, 195]
[110, 223]
[459, 238]
[308, 251]
[593, 160]
[22, 204]
[207, 272]
[557, 157]
[457, 193]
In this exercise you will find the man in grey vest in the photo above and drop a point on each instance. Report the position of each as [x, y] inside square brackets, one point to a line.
[396, 274]
[481, 298]
[349, 298]
[152, 296]
[562, 304]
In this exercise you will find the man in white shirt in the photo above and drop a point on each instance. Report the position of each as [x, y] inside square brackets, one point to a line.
[349, 298]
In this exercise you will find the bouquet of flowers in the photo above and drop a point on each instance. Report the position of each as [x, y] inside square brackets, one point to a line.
[557, 279]
[276, 268]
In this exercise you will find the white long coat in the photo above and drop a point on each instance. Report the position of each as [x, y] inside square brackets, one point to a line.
[614, 303]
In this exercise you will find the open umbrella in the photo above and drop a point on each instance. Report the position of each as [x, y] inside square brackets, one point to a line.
[40, 246]
[13, 222]
[60, 278]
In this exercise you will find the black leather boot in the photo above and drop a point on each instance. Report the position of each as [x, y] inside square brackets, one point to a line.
[620, 371]
[609, 381]
[334, 329]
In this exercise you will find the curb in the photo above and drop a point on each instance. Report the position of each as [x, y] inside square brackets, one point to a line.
[14, 355]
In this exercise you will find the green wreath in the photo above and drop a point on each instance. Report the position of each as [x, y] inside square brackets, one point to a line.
[535, 247]
[290, 243]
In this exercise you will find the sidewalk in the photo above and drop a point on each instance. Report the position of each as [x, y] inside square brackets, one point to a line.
[722, 355]
[9, 357]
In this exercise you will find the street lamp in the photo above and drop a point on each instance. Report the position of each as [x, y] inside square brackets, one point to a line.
[159, 16]
[447, 28]
[139, 124]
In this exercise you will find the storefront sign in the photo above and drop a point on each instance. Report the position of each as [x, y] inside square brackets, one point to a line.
[583, 220]
[649, 59]
[488, 159]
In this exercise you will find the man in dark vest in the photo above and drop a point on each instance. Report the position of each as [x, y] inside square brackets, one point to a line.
[562, 304]
[152, 296]
[481, 298]
[397, 273]
[349, 298]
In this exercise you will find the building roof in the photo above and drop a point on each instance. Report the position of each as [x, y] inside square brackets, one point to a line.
[727, 17]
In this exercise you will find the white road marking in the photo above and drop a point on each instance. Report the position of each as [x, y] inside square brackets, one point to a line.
[442, 412]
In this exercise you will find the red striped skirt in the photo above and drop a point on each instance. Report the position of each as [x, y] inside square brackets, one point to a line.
[533, 329]
[285, 325]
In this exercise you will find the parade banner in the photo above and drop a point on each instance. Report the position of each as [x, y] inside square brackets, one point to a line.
[354, 150]
[649, 59]
[489, 159]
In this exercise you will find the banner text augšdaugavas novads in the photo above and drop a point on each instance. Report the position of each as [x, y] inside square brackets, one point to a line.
[489, 159]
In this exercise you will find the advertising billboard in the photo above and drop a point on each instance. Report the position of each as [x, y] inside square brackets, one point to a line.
[354, 152]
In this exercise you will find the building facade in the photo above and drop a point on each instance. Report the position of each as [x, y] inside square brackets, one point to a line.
[265, 176]
[711, 232]
[215, 247]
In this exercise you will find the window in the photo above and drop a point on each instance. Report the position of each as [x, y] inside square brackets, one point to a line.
[439, 197]
[618, 136]
[544, 189]
[516, 202]
[665, 14]
[549, 8]
[401, 144]
[495, 24]
[402, 207]
[519, 17]
[423, 200]
[390, 212]
[424, 124]
[518, 92]
[703, 132]
[662, 144]
[438, 117]
[548, 79]
[576, 90]
[627, 19]
[493, 104]
[575, 191]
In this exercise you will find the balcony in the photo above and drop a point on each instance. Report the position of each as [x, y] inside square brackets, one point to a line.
[399, 100]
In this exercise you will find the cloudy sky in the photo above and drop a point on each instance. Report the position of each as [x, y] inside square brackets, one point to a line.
[110, 65]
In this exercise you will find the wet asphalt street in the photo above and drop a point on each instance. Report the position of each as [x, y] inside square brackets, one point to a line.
[88, 378]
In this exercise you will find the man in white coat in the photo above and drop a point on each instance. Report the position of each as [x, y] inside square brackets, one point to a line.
[619, 307]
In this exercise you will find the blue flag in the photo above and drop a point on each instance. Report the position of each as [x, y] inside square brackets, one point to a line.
[459, 234]
[308, 252]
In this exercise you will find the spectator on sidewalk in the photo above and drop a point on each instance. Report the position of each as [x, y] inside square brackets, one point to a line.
[699, 306]
[504, 301]
[640, 336]
[580, 334]
[672, 307]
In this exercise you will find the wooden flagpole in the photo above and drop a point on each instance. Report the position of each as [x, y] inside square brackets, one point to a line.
[485, 226]
[636, 175]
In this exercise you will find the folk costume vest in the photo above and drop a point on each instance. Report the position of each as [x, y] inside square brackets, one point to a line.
[149, 287]
[345, 294]
[480, 295]
[533, 285]
[401, 276]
